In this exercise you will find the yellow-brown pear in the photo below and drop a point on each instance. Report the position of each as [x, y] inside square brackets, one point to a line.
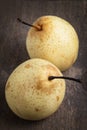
[55, 40]
[29, 93]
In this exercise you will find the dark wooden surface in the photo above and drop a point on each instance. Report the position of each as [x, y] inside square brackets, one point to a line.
[72, 114]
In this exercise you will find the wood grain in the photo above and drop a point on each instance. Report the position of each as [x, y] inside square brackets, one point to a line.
[72, 114]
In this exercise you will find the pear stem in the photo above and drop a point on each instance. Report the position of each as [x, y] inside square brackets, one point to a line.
[62, 77]
[28, 24]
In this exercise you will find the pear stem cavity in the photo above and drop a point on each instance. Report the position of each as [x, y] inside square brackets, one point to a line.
[62, 77]
[38, 28]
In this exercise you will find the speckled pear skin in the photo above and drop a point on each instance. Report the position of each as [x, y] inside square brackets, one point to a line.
[29, 93]
[57, 41]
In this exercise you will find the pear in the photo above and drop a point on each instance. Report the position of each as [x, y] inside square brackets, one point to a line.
[54, 39]
[29, 92]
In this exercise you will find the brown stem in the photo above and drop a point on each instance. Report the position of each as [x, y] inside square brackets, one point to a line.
[62, 77]
[38, 28]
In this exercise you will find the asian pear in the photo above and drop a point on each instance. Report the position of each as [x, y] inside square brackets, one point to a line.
[54, 39]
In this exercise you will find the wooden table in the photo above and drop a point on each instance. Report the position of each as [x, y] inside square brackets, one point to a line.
[72, 114]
